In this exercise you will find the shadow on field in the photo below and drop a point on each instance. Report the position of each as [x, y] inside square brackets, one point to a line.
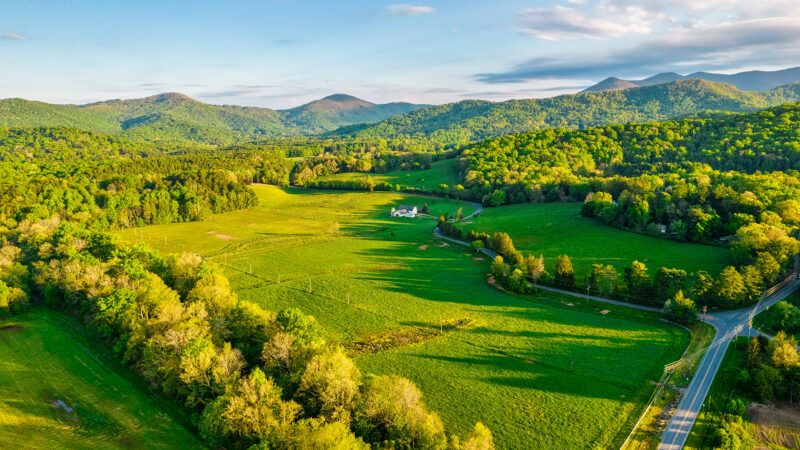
[500, 369]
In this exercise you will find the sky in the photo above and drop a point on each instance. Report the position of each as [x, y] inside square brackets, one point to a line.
[282, 53]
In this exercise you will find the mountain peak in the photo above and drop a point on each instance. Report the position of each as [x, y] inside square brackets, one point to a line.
[754, 80]
[342, 98]
[610, 84]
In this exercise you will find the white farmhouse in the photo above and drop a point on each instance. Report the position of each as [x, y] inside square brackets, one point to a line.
[404, 211]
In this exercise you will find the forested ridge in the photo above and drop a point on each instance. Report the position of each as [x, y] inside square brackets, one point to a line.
[176, 118]
[474, 120]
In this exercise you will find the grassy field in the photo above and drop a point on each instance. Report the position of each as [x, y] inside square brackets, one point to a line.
[56, 392]
[552, 229]
[538, 370]
[441, 172]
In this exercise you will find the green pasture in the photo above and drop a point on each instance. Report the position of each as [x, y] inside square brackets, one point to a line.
[57, 391]
[441, 172]
[539, 370]
[553, 229]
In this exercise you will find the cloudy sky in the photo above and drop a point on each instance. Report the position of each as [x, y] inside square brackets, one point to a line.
[281, 53]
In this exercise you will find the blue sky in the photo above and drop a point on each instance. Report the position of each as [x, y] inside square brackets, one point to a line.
[283, 53]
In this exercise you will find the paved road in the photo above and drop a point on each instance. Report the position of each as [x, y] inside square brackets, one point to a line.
[728, 324]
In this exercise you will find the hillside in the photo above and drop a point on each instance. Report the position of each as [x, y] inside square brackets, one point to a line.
[473, 120]
[175, 117]
[754, 80]
[337, 110]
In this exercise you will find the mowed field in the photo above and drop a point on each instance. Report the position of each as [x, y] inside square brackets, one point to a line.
[553, 229]
[539, 371]
[55, 392]
[441, 172]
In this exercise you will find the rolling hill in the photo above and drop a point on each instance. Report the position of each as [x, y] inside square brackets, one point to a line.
[754, 80]
[336, 110]
[473, 120]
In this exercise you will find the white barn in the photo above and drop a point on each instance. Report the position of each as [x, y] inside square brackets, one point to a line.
[404, 211]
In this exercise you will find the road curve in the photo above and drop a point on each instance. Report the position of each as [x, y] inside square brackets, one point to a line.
[728, 324]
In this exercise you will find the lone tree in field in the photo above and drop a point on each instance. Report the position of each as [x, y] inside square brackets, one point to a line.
[535, 267]
[680, 309]
[565, 275]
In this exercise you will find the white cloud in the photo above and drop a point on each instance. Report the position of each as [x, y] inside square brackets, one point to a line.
[729, 45]
[14, 36]
[569, 23]
[408, 10]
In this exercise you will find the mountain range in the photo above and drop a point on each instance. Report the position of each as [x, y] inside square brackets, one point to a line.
[754, 80]
[176, 117]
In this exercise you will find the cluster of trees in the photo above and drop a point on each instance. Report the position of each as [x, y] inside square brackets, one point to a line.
[125, 200]
[253, 377]
[14, 278]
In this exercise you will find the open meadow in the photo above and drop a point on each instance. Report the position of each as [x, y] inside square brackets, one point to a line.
[537, 370]
[553, 229]
[441, 172]
[57, 391]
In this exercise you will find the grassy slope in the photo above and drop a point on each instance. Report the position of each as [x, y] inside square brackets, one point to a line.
[558, 228]
[441, 172]
[536, 370]
[42, 360]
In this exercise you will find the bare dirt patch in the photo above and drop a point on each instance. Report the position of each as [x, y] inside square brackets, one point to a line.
[224, 237]
[494, 283]
[12, 327]
[477, 258]
[777, 424]
[402, 337]
[444, 244]
[423, 247]
[605, 311]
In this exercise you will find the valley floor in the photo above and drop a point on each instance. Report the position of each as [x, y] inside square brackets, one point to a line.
[538, 370]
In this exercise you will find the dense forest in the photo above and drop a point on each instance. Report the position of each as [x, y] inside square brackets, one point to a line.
[723, 179]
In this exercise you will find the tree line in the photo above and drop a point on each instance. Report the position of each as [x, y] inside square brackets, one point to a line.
[679, 292]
